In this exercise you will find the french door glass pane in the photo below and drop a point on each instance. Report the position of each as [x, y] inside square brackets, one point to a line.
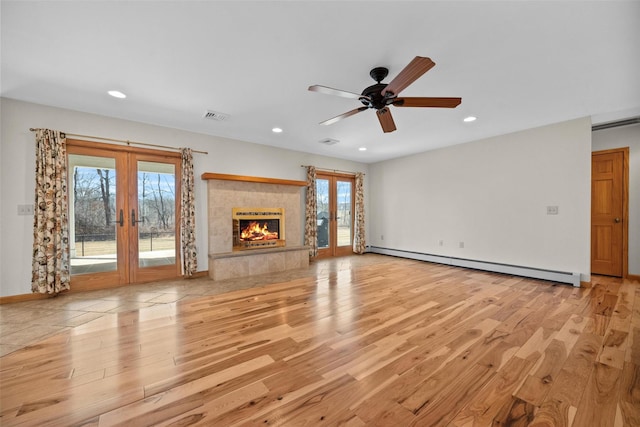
[322, 213]
[92, 211]
[344, 212]
[156, 213]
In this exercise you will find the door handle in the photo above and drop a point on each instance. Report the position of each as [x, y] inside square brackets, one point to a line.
[133, 218]
[120, 219]
[617, 220]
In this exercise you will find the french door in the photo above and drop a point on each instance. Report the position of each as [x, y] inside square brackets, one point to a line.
[335, 204]
[123, 215]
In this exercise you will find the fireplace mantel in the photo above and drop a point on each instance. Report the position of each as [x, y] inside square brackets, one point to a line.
[243, 178]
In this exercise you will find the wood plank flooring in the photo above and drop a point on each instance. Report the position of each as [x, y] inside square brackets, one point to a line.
[358, 341]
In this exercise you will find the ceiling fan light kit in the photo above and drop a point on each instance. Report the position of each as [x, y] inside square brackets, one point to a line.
[381, 95]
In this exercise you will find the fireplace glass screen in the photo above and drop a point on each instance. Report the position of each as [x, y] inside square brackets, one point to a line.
[252, 230]
[256, 228]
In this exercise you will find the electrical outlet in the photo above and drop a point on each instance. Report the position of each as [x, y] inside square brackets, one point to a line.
[440, 242]
[552, 210]
[461, 245]
[382, 237]
[25, 210]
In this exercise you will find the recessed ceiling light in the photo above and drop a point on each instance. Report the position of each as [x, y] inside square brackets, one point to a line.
[276, 130]
[117, 94]
[362, 148]
[469, 119]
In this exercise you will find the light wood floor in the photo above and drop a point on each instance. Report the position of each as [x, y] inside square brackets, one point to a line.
[357, 341]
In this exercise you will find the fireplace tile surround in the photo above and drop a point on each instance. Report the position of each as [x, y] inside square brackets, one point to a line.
[225, 192]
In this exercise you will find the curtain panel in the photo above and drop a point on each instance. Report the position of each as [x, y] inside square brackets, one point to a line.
[311, 212]
[188, 215]
[359, 244]
[50, 260]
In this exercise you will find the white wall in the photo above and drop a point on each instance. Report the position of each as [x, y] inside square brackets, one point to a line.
[492, 195]
[627, 136]
[17, 160]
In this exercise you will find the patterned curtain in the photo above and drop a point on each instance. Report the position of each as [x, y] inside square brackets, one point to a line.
[188, 215]
[359, 244]
[50, 261]
[311, 212]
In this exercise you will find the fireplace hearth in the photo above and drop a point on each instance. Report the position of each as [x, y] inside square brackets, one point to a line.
[256, 228]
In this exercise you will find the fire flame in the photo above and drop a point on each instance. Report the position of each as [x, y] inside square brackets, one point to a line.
[254, 231]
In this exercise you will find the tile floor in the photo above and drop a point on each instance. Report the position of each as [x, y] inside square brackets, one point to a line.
[28, 322]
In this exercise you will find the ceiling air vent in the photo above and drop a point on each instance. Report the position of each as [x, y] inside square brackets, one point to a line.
[328, 141]
[214, 115]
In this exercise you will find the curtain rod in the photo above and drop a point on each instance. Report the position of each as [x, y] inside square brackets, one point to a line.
[125, 141]
[332, 170]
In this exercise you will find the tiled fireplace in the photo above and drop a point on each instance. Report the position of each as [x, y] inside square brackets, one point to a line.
[256, 207]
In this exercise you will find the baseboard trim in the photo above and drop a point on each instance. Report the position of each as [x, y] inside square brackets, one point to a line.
[22, 297]
[633, 277]
[516, 270]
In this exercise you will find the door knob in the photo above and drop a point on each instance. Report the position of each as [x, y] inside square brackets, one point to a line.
[617, 220]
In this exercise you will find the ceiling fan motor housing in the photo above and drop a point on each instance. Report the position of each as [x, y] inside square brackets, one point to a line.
[375, 99]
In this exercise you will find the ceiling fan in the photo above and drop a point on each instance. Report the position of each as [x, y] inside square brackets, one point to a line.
[381, 95]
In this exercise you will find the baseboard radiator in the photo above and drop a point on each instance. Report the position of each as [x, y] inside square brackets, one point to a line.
[515, 270]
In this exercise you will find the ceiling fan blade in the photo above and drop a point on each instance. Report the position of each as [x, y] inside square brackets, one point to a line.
[331, 91]
[343, 116]
[427, 102]
[386, 120]
[417, 67]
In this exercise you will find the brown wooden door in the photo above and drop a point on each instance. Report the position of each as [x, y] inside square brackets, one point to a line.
[123, 213]
[335, 204]
[607, 212]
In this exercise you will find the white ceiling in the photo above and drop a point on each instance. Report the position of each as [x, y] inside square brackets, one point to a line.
[516, 65]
